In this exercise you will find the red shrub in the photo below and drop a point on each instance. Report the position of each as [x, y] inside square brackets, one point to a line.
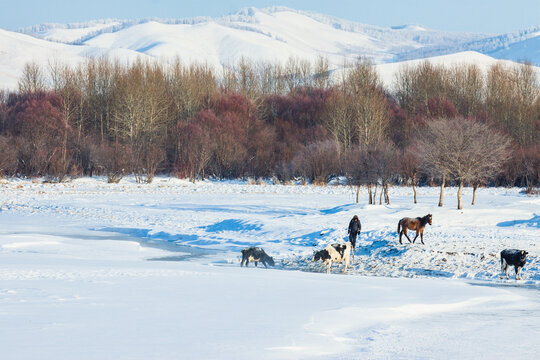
[44, 138]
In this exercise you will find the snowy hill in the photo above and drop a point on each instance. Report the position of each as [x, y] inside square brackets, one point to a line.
[521, 46]
[271, 34]
[278, 32]
[388, 71]
[18, 49]
[70, 33]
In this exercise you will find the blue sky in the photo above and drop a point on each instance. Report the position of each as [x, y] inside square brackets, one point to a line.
[487, 16]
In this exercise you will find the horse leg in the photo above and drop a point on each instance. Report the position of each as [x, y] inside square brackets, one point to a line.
[405, 232]
[422, 238]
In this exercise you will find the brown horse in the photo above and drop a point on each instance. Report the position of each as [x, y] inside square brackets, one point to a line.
[418, 224]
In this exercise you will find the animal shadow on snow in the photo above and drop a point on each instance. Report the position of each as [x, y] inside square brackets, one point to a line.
[430, 272]
[533, 222]
[310, 239]
[379, 243]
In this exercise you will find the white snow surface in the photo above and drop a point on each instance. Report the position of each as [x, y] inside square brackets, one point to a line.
[91, 270]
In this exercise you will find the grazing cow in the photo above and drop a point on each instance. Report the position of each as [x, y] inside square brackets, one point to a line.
[515, 258]
[418, 224]
[256, 254]
[334, 253]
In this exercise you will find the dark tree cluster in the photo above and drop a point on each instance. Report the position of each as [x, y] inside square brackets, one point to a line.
[439, 125]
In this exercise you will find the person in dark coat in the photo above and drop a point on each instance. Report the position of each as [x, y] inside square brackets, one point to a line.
[354, 230]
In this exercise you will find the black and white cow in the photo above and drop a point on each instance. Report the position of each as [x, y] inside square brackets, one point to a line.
[256, 255]
[515, 258]
[334, 253]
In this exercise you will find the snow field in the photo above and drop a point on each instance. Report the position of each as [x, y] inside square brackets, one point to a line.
[82, 273]
[291, 222]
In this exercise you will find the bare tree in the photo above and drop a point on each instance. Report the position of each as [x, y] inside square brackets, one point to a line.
[462, 149]
[321, 77]
[298, 73]
[318, 161]
[142, 113]
[193, 88]
[355, 170]
[8, 156]
[358, 112]
[384, 161]
[512, 101]
[32, 78]
[415, 86]
[361, 169]
[465, 89]
[410, 167]
[114, 160]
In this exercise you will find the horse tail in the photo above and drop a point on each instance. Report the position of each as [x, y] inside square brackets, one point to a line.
[398, 226]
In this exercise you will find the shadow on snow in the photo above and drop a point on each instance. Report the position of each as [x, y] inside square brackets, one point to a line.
[533, 222]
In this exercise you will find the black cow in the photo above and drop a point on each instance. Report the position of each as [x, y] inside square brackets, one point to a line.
[515, 258]
[256, 254]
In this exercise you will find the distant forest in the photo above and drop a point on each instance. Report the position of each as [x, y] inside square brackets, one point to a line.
[438, 125]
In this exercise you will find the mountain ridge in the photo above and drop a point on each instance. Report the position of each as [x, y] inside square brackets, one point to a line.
[273, 34]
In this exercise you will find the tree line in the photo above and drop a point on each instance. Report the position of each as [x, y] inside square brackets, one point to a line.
[299, 120]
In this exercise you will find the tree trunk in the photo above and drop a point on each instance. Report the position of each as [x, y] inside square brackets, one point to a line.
[381, 194]
[475, 186]
[460, 189]
[370, 194]
[357, 193]
[414, 187]
[386, 196]
[441, 196]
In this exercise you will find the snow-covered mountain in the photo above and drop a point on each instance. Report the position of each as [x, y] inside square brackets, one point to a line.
[271, 34]
[520, 46]
[18, 49]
